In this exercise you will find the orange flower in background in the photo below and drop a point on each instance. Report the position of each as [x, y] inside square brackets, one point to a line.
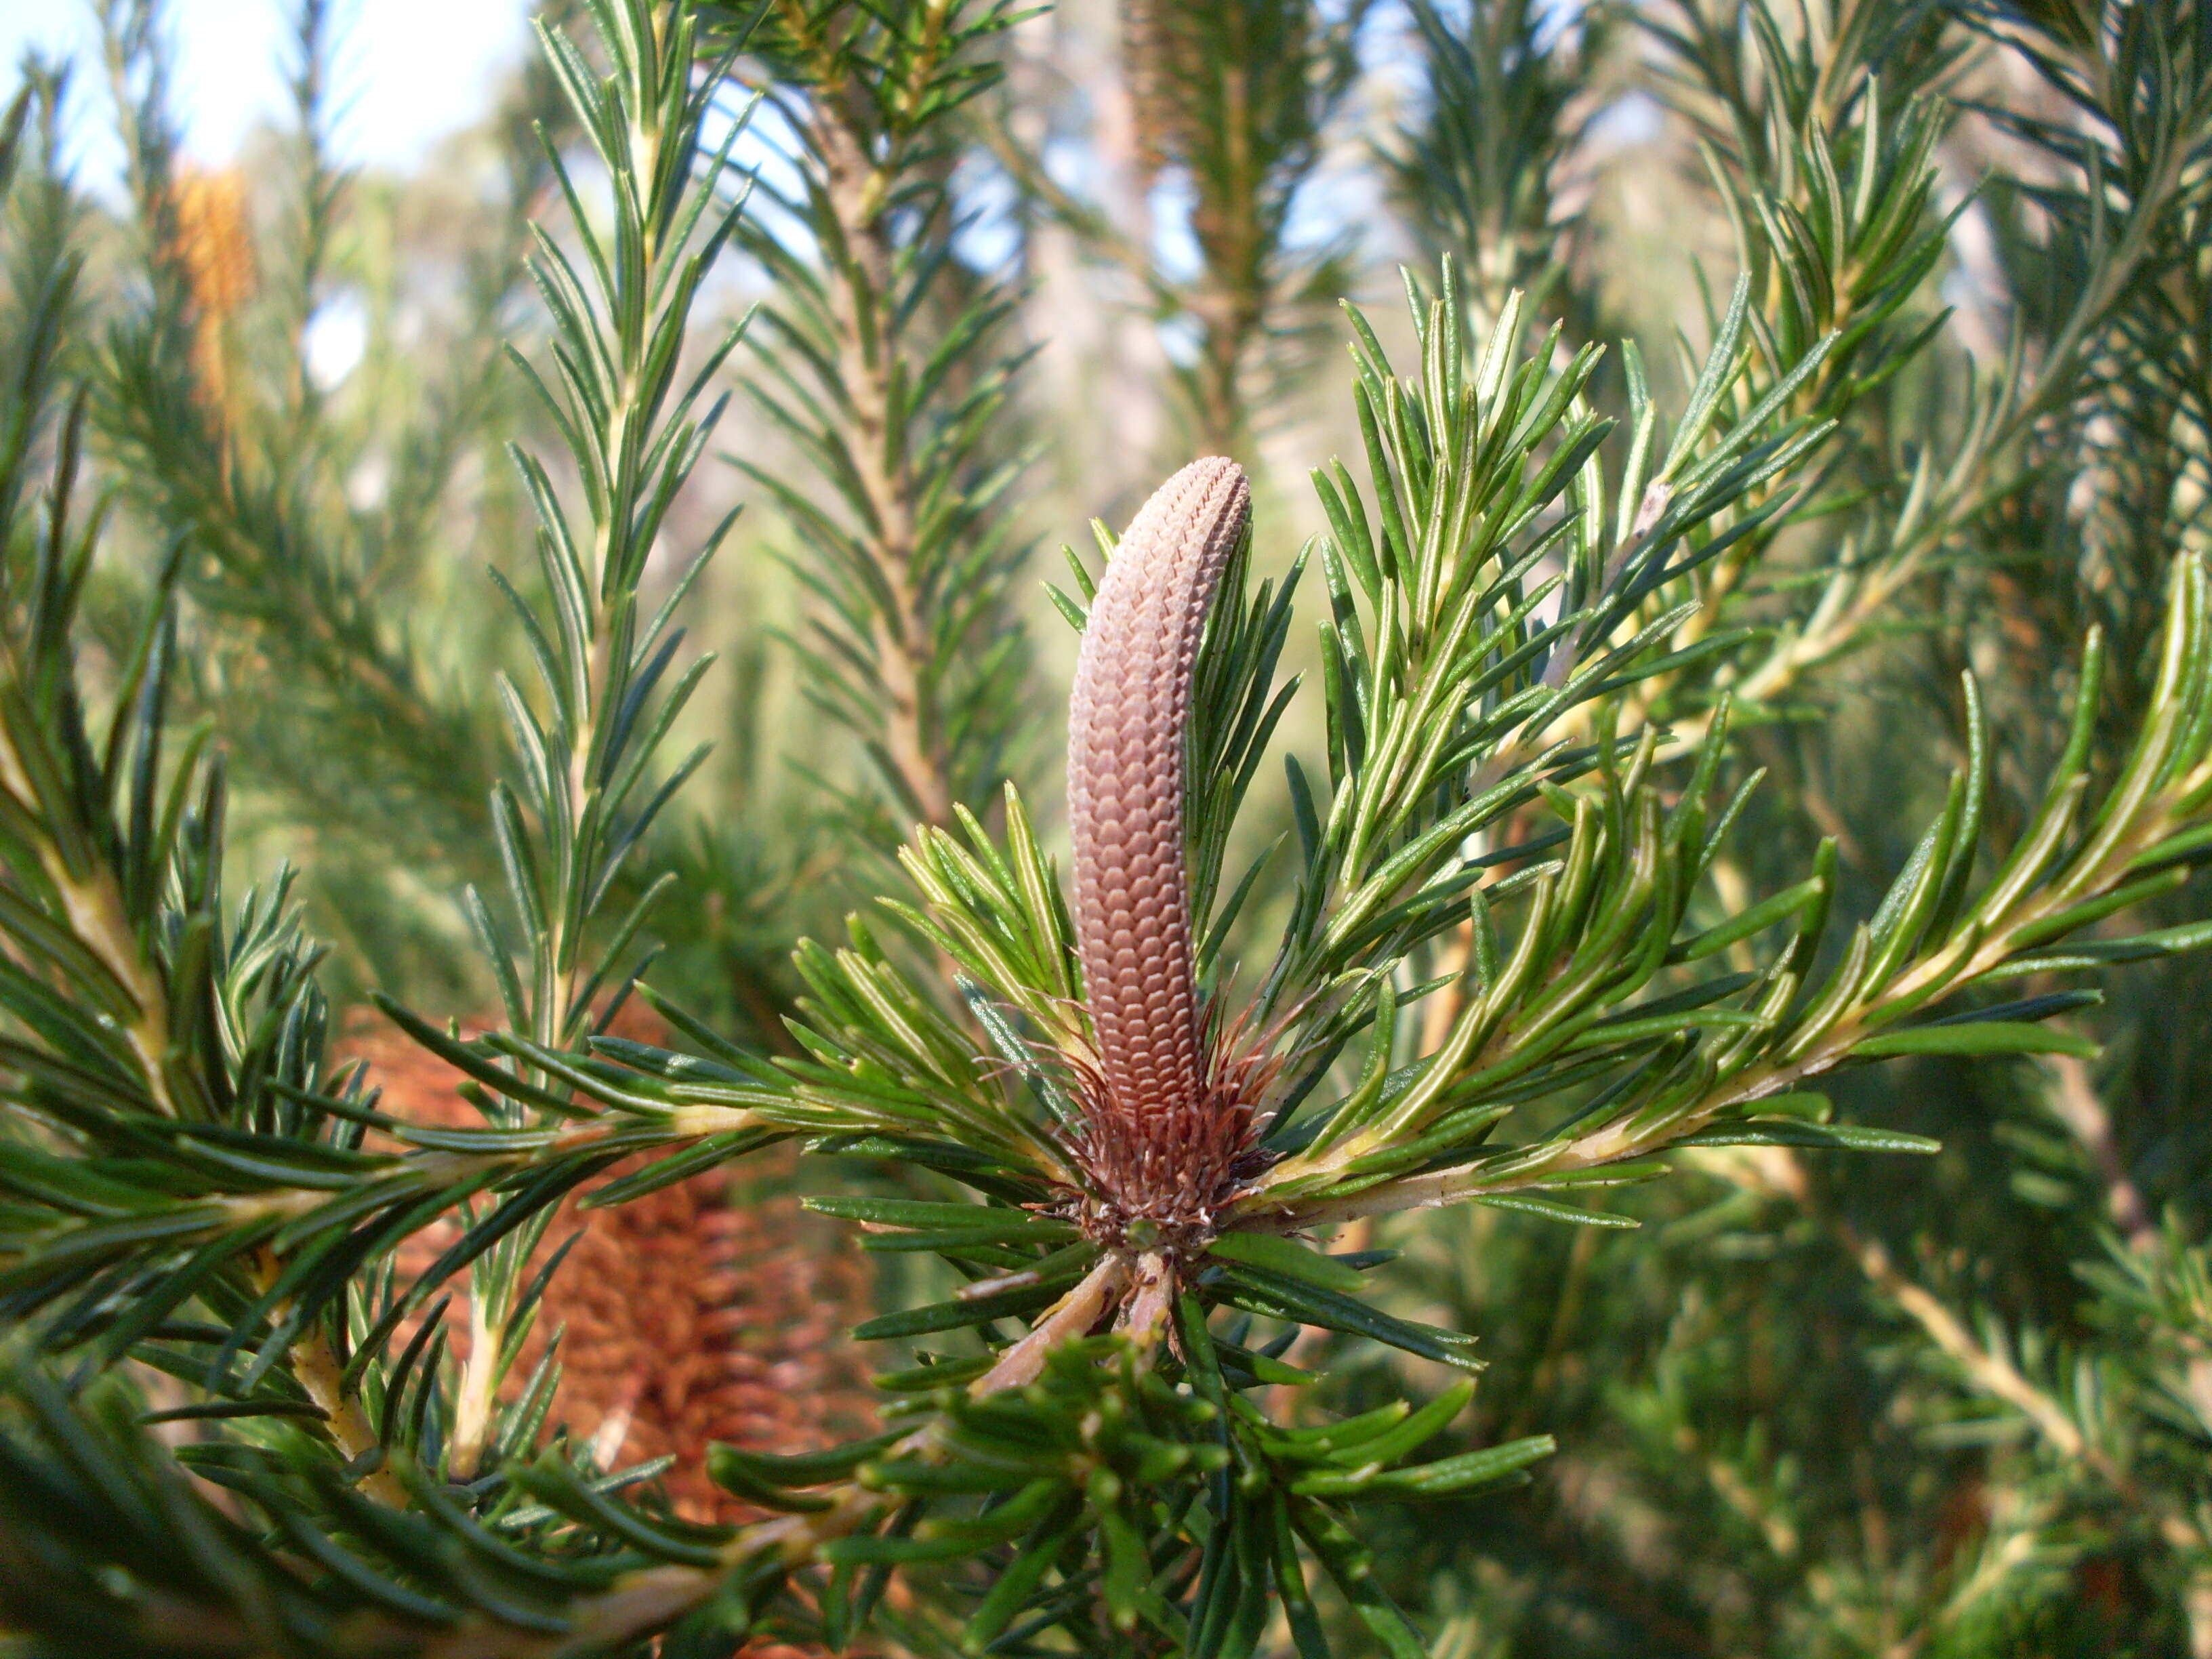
[212, 244]
[691, 1318]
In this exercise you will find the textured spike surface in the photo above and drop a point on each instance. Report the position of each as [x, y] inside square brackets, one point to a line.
[1155, 1133]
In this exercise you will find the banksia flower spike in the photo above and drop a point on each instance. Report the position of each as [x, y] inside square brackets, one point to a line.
[1165, 1129]
[213, 247]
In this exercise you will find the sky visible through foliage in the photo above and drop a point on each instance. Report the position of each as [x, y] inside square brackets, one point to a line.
[403, 97]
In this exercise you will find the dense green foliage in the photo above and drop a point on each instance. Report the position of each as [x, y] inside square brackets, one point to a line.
[1716, 972]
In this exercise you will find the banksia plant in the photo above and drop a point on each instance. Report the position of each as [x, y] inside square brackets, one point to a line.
[1230, 110]
[1208, 1176]
[1154, 1152]
[221, 436]
[1479, 168]
[888, 368]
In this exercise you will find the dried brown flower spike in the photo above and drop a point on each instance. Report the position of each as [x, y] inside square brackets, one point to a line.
[1166, 1125]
